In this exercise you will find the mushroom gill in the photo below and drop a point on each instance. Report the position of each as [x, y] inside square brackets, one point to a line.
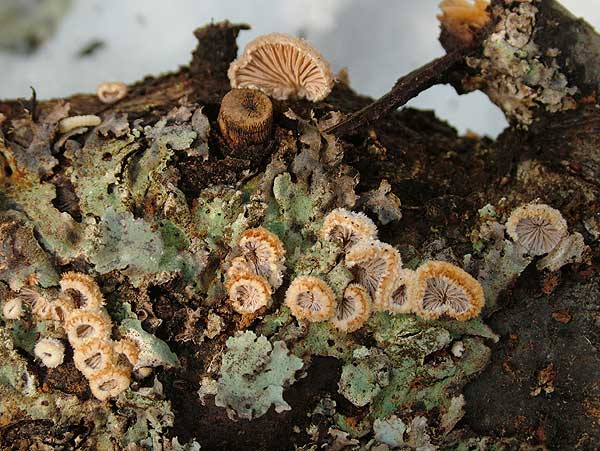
[283, 67]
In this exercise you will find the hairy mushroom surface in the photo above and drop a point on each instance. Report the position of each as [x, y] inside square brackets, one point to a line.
[83, 289]
[83, 326]
[109, 382]
[399, 300]
[536, 227]
[375, 266]
[441, 288]
[310, 298]
[12, 308]
[462, 17]
[353, 309]
[111, 91]
[283, 67]
[93, 357]
[245, 117]
[248, 292]
[347, 227]
[50, 351]
[264, 253]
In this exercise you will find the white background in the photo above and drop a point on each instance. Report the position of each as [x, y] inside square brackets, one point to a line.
[377, 40]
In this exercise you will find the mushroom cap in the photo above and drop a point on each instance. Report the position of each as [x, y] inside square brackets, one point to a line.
[50, 351]
[536, 227]
[87, 294]
[441, 288]
[282, 66]
[264, 254]
[12, 308]
[310, 298]
[41, 306]
[460, 17]
[248, 292]
[353, 309]
[110, 382]
[347, 227]
[85, 325]
[129, 349]
[245, 117]
[399, 299]
[375, 266]
[111, 91]
[93, 356]
[62, 307]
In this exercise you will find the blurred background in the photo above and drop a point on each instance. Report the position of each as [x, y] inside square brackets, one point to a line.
[65, 46]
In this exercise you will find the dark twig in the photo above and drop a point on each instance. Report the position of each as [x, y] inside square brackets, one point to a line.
[405, 89]
[33, 105]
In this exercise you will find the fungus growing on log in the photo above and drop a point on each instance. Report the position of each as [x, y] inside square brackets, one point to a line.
[348, 227]
[461, 17]
[248, 292]
[62, 307]
[441, 288]
[399, 300]
[128, 349]
[83, 325]
[109, 382]
[375, 266]
[310, 298]
[283, 67]
[353, 309]
[12, 308]
[50, 351]
[111, 91]
[536, 227]
[93, 357]
[245, 117]
[264, 253]
[83, 289]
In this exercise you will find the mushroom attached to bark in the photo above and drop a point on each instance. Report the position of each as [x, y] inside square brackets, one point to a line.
[93, 357]
[264, 254]
[353, 309]
[375, 266]
[12, 308]
[348, 227]
[245, 117]
[111, 91]
[462, 17]
[536, 227]
[283, 67]
[83, 289]
[441, 288]
[127, 349]
[399, 300]
[310, 298]
[110, 382]
[248, 292]
[83, 326]
[50, 351]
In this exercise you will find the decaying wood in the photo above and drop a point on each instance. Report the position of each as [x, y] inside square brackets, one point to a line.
[549, 323]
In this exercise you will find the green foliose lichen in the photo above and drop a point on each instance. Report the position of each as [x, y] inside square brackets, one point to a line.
[253, 375]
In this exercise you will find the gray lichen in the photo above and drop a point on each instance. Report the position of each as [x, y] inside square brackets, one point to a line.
[512, 70]
[253, 375]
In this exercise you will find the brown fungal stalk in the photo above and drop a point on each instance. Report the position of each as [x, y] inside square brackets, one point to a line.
[245, 117]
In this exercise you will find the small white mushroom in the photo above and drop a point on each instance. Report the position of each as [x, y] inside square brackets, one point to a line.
[50, 351]
[13, 308]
